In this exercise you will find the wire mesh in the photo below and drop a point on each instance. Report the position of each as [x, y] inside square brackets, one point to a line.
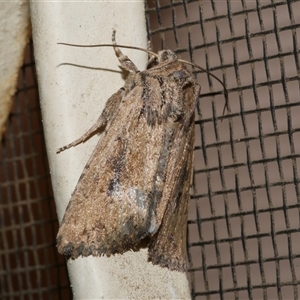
[244, 214]
[30, 267]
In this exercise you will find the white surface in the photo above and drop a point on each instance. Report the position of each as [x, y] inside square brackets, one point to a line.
[72, 99]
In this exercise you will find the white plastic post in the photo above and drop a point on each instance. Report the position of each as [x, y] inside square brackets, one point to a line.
[72, 99]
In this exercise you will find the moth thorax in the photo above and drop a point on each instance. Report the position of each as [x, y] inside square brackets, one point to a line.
[166, 55]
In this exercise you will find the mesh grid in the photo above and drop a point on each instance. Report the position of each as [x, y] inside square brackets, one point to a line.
[244, 215]
[30, 267]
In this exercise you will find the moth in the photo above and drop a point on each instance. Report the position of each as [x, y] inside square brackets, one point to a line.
[136, 185]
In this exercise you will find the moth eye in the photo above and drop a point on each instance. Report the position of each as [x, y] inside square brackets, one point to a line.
[166, 55]
[179, 75]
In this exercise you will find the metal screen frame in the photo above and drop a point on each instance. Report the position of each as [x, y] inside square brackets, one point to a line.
[244, 202]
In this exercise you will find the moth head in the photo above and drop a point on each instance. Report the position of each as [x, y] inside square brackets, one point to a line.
[166, 55]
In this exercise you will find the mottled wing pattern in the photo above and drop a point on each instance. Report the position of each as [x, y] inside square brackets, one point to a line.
[137, 181]
[168, 246]
[110, 211]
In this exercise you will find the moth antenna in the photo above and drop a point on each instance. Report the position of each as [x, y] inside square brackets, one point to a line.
[111, 45]
[155, 55]
[126, 63]
[117, 49]
[212, 75]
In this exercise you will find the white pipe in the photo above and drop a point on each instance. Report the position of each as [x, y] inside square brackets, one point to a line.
[72, 98]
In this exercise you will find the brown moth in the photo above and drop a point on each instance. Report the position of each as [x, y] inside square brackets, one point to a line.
[136, 184]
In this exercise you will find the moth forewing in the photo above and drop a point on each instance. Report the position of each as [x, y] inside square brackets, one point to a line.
[168, 247]
[136, 183]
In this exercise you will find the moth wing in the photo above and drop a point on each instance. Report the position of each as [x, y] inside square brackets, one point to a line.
[109, 211]
[168, 246]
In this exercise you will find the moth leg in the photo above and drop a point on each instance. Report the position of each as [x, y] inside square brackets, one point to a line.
[126, 63]
[152, 59]
[83, 138]
[149, 48]
[108, 113]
